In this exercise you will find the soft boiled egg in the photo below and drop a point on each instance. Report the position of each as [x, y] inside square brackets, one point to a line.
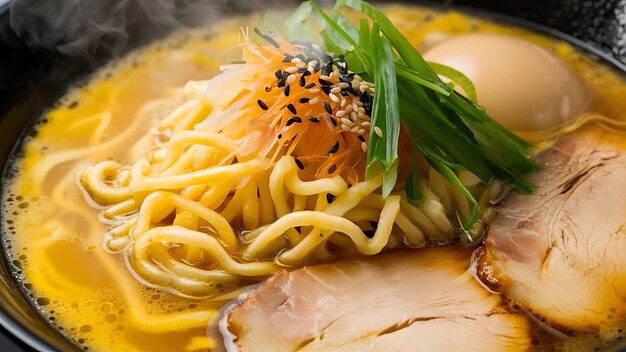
[521, 85]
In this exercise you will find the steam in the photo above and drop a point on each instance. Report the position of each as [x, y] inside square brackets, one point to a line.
[86, 26]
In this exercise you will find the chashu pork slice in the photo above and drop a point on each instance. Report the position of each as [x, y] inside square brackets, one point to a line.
[398, 301]
[561, 252]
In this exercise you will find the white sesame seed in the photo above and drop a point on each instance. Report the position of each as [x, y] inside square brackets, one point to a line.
[345, 128]
[361, 110]
[291, 79]
[357, 77]
[343, 102]
[295, 60]
[363, 88]
[343, 85]
[314, 101]
[362, 116]
[326, 78]
[378, 131]
[354, 105]
[356, 84]
[365, 124]
[346, 121]
[291, 69]
[361, 132]
[358, 102]
[354, 116]
[364, 146]
[312, 63]
[335, 68]
[335, 90]
[333, 97]
[314, 90]
[355, 129]
[349, 108]
[301, 64]
[340, 113]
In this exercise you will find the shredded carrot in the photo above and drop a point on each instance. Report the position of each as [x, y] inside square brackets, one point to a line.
[288, 109]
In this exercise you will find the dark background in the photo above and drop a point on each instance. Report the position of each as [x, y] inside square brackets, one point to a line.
[31, 77]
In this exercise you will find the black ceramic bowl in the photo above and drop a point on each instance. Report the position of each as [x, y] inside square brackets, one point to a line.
[33, 78]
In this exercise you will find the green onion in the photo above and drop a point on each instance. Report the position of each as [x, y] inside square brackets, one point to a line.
[411, 186]
[457, 78]
[385, 112]
[451, 131]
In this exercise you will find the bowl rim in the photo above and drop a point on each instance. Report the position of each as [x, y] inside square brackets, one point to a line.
[11, 322]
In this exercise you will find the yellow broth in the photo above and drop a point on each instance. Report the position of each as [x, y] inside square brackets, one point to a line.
[55, 236]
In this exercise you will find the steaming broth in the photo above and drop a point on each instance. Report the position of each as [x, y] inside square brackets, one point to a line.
[55, 240]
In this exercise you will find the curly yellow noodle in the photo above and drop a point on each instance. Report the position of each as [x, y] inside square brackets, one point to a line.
[157, 199]
[193, 212]
[136, 305]
[229, 172]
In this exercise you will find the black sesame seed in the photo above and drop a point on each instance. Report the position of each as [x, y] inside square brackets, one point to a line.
[304, 100]
[362, 139]
[299, 163]
[302, 81]
[282, 80]
[287, 58]
[293, 120]
[326, 89]
[309, 85]
[345, 78]
[313, 119]
[262, 104]
[303, 70]
[271, 41]
[334, 148]
[333, 121]
[268, 88]
[329, 198]
[306, 73]
[328, 68]
[332, 169]
[328, 108]
[280, 136]
[324, 82]
[266, 37]
[286, 90]
[301, 57]
[292, 108]
[278, 73]
[317, 67]
[344, 93]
